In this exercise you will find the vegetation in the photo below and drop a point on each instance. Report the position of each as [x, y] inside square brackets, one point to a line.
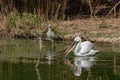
[29, 18]
[61, 9]
[28, 25]
[103, 23]
[24, 25]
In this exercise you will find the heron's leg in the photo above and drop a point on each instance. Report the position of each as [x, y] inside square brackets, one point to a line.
[52, 44]
[51, 41]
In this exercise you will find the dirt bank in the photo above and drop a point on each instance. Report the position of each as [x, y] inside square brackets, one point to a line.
[91, 29]
[97, 30]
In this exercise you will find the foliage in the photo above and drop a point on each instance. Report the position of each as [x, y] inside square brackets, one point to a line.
[24, 23]
[11, 20]
[103, 24]
[60, 9]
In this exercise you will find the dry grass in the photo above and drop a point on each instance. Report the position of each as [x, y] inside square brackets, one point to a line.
[90, 29]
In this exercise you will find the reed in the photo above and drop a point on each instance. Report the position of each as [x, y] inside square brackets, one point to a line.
[59, 9]
[25, 17]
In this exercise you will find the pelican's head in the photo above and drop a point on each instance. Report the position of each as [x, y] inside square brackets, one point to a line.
[77, 39]
[73, 45]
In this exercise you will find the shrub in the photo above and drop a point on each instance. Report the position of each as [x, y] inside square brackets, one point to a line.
[103, 24]
[24, 24]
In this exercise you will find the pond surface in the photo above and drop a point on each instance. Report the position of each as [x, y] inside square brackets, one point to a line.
[18, 59]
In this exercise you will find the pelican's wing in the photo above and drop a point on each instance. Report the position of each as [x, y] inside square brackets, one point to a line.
[86, 46]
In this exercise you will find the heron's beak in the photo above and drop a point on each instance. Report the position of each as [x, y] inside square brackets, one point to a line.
[71, 47]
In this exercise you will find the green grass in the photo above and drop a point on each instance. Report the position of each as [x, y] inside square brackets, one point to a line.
[24, 25]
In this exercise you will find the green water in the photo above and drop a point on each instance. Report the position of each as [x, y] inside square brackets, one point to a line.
[18, 59]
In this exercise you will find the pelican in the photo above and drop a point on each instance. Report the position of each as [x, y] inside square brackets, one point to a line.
[84, 48]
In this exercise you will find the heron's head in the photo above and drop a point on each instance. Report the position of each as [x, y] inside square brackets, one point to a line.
[73, 45]
[49, 25]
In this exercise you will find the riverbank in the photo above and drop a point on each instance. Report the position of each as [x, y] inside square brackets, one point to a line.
[96, 30]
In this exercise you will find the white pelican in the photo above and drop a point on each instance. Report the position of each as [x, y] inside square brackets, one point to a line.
[84, 48]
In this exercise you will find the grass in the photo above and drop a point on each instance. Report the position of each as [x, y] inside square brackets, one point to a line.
[24, 25]
[27, 25]
[91, 30]
[30, 25]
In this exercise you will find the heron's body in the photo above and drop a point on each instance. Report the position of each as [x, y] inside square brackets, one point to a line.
[50, 34]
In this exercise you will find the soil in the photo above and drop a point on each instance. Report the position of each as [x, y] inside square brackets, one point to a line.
[91, 29]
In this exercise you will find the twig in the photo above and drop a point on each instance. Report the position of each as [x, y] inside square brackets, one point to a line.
[40, 46]
[38, 73]
[113, 8]
[88, 76]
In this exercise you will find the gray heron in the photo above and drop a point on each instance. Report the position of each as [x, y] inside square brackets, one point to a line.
[50, 35]
[84, 48]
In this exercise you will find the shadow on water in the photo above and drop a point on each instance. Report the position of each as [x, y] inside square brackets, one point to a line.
[18, 59]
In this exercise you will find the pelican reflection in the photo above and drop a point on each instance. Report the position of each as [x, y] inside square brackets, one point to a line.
[81, 63]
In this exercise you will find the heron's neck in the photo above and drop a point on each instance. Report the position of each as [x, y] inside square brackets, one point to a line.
[49, 28]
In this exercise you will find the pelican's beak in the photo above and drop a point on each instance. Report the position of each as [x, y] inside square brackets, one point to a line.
[71, 47]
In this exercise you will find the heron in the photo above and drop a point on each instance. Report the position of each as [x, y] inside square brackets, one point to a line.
[84, 48]
[50, 34]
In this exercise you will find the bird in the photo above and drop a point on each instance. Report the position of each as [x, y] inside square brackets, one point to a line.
[50, 34]
[84, 48]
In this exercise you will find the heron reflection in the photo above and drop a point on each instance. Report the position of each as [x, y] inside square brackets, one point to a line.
[50, 56]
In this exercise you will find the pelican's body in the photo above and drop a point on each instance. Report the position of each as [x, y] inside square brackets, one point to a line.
[83, 48]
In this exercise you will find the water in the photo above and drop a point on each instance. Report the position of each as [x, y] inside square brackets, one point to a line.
[18, 59]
